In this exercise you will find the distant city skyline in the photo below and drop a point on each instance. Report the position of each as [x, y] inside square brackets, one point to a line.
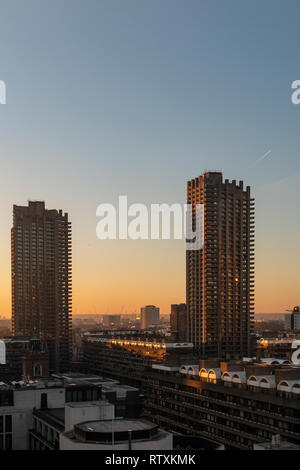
[137, 98]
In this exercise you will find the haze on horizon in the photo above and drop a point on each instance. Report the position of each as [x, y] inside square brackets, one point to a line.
[109, 98]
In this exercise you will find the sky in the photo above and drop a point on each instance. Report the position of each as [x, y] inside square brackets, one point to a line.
[135, 97]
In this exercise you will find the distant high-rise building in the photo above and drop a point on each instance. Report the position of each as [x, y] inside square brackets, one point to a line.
[41, 279]
[149, 316]
[220, 275]
[178, 321]
[292, 320]
[111, 320]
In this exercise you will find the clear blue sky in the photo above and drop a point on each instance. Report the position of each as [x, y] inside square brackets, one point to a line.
[109, 97]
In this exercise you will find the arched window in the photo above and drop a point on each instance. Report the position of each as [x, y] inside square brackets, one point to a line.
[212, 377]
[284, 383]
[226, 374]
[37, 370]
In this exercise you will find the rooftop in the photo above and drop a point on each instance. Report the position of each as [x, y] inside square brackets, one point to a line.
[31, 384]
[279, 378]
[283, 445]
[119, 425]
[52, 416]
[86, 404]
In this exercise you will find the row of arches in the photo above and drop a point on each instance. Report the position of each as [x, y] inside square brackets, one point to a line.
[262, 381]
[292, 386]
[275, 362]
[189, 369]
[212, 374]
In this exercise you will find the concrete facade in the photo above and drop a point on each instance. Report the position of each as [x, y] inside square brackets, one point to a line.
[220, 275]
[21, 411]
[149, 316]
[42, 279]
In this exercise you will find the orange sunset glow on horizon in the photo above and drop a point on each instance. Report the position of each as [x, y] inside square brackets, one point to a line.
[119, 276]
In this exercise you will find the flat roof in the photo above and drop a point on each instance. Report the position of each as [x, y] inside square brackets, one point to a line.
[40, 384]
[116, 387]
[118, 425]
[165, 367]
[283, 445]
[86, 404]
[58, 413]
[53, 416]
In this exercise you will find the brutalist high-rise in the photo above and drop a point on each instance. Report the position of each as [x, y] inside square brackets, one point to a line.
[42, 279]
[220, 274]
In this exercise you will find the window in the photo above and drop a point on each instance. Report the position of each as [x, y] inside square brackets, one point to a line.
[37, 370]
[5, 432]
[8, 423]
[44, 401]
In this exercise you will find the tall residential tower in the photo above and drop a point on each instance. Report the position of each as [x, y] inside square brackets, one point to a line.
[220, 275]
[41, 279]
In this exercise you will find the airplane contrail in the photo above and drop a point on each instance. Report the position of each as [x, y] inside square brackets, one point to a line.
[263, 156]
